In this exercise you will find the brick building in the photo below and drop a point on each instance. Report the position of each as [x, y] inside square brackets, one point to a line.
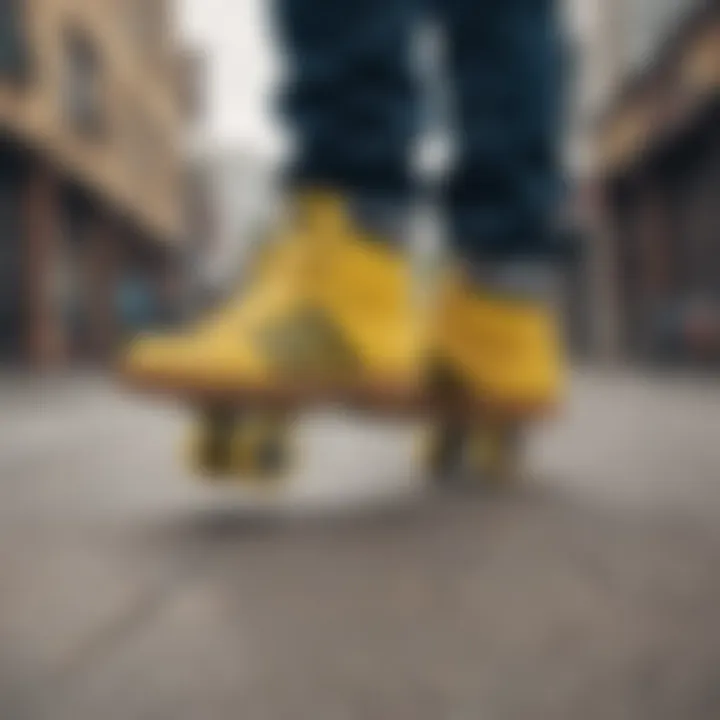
[91, 171]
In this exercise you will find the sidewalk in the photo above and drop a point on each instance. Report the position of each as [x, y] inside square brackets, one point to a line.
[590, 592]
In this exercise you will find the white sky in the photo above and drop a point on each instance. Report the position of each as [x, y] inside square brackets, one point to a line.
[242, 68]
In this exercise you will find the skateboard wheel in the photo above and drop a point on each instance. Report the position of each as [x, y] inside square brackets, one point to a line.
[250, 447]
[486, 453]
[211, 447]
[445, 451]
[495, 453]
[261, 448]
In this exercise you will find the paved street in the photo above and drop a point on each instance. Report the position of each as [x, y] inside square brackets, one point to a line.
[128, 591]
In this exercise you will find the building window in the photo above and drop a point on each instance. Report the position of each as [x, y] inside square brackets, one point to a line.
[146, 21]
[13, 48]
[82, 86]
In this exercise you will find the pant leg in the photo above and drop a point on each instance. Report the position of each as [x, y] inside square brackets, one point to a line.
[504, 62]
[349, 98]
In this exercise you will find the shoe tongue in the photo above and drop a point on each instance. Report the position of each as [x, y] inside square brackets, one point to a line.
[322, 213]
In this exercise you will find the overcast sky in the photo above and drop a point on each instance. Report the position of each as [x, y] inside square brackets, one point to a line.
[242, 68]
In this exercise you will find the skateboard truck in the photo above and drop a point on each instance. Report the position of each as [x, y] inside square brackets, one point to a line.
[228, 443]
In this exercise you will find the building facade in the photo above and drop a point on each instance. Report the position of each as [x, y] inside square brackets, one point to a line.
[91, 169]
[659, 171]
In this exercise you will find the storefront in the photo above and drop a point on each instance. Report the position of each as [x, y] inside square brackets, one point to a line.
[661, 181]
[74, 278]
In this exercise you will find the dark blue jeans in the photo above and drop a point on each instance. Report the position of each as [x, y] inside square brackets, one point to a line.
[352, 101]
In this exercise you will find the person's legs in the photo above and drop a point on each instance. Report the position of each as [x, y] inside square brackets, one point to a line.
[504, 61]
[497, 332]
[349, 98]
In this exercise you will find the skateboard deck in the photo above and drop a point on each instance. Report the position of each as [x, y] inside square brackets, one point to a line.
[245, 432]
[382, 399]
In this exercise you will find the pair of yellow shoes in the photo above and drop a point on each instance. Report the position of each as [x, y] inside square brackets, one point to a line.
[332, 314]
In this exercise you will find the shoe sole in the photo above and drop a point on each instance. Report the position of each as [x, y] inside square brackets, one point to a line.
[393, 399]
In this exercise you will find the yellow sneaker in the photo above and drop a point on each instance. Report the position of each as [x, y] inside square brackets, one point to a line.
[328, 315]
[502, 353]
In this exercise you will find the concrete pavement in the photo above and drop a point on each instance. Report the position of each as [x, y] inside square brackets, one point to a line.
[127, 591]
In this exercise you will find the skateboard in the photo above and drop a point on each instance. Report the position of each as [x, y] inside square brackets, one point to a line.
[246, 434]
[252, 442]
